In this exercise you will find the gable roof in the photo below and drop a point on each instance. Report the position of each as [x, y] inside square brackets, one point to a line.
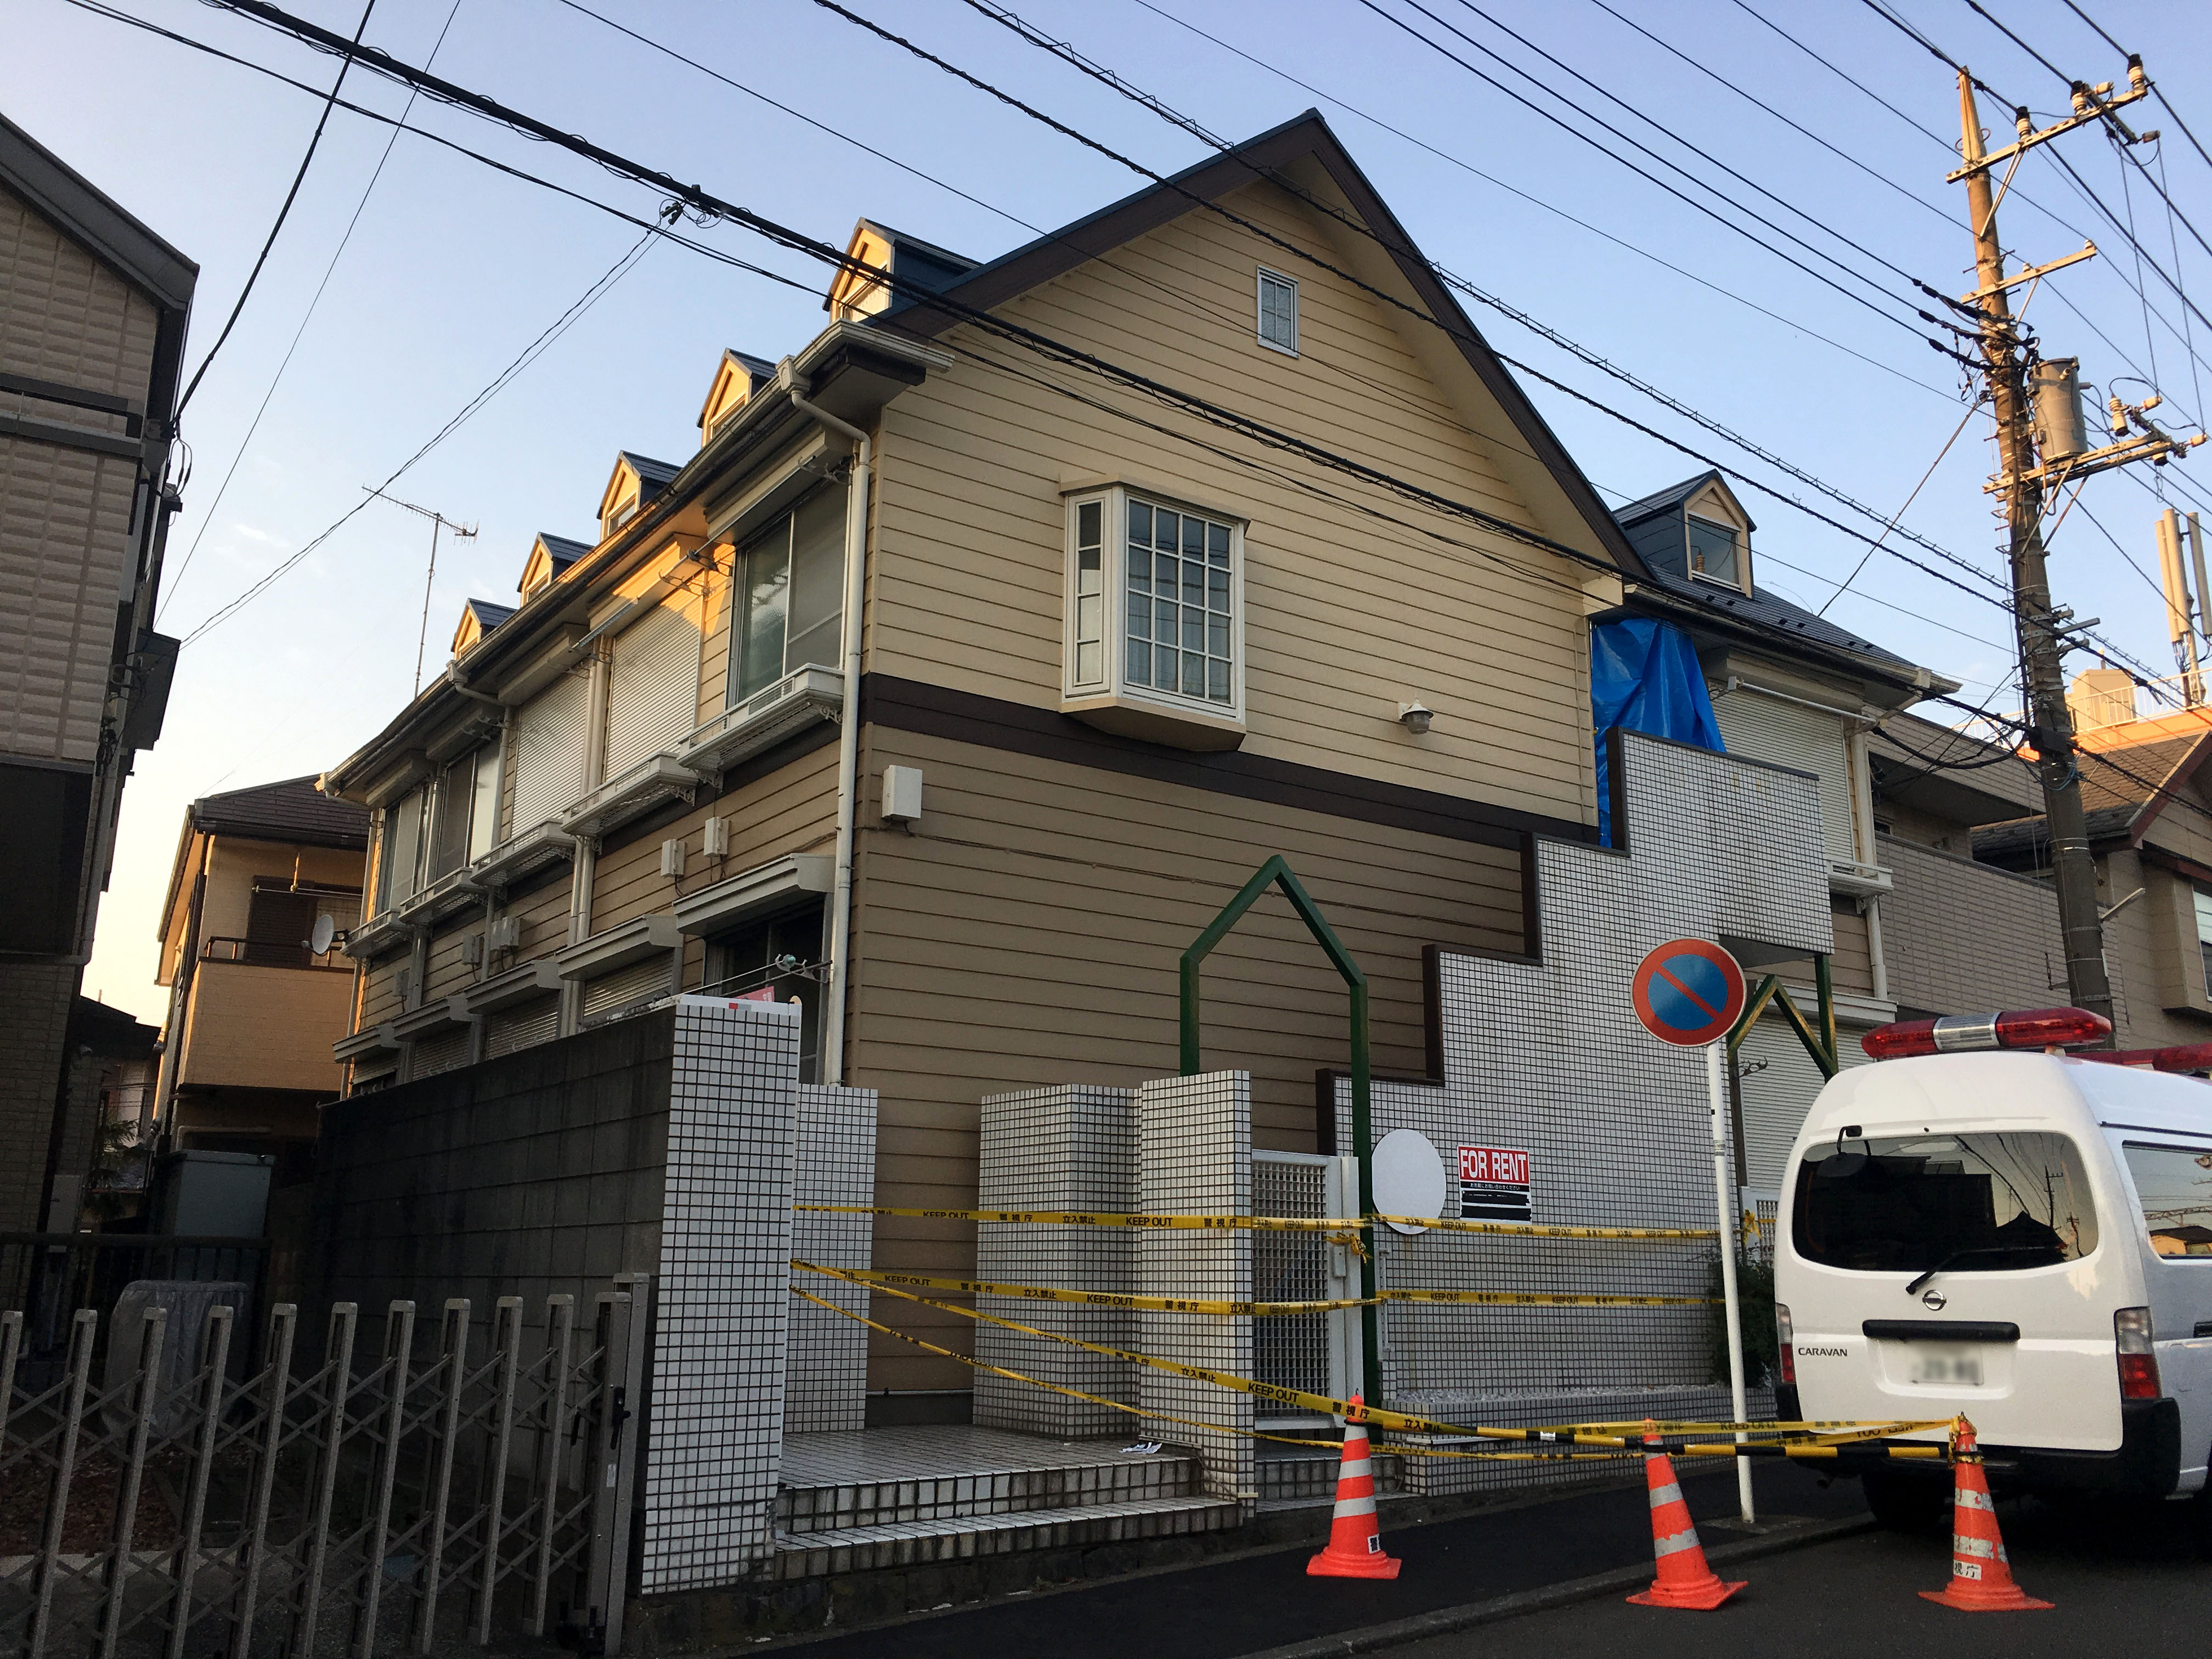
[293, 809]
[94, 218]
[911, 262]
[1679, 495]
[561, 550]
[653, 475]
[1304, 145]
[478, 618]
[734, 362]
[2125, 787]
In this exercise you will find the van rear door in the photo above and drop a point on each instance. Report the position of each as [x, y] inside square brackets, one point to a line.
[1941, 1272]
[2172, 1177]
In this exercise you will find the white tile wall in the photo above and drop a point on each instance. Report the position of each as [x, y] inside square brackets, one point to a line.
[721, 1342]
[827, 1386]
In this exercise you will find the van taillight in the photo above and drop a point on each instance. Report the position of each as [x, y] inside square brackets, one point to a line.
[1785, 1355]
[2138, 1359]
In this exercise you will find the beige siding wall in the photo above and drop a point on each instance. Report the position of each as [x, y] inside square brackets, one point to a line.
[1346, 616]
[1028, 933]
[1960, 937]
[249, 1026]
[64, 512]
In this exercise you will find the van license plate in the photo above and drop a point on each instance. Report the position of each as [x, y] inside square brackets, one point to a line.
[1943, 1363]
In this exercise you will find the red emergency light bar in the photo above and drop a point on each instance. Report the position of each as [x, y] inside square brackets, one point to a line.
[2183, 1057]
[2037, 1028]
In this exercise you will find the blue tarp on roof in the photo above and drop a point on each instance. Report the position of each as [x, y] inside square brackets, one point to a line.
[1644, 676]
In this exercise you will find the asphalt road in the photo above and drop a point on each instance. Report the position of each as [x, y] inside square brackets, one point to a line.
[1248, 1603]
[2125, 1579]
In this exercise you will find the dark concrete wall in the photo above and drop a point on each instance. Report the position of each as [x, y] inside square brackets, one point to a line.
[535, 1173]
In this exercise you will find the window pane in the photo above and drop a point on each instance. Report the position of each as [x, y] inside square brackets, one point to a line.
[1140, 572]
[766, 594]
[1217, 635]
[1090, 663]
[1216, 680]
[1163, 623]
[2175, 1186]
[1087, 579]
[1193, 628]
[1089, 614]
[1194, 674]
[818, 582]
[1163, 531]
[1217, 544]
[1141, 663]
[1140, 619]
[1983, 1203]
[1163, 667]
[2204, 916]
[1194, 538]
[1193, 583]
[1217, 590]
[1712, 550]
[1086, 524]
[483, 813]
[1140, 524]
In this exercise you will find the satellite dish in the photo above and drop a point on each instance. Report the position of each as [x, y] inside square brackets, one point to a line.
[1409, 1177]
[326, 927]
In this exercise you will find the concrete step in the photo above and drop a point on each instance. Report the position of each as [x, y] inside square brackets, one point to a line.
[900, 1544]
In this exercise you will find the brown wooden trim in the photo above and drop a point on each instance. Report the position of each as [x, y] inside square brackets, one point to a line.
[902, 705]
[1325, 1081]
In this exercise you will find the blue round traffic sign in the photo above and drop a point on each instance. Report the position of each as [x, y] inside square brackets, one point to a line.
[1688, 991]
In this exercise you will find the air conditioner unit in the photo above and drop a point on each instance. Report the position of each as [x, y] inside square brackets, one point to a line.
[503, 933]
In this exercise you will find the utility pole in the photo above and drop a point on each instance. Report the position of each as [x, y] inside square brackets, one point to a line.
[438, 521]
[2021, 480]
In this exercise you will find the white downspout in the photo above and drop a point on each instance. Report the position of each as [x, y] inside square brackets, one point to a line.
[848, 737]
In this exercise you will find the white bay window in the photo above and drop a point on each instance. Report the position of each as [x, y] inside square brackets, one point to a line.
[1154, 624]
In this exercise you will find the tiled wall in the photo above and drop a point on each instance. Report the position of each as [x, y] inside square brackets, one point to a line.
[721, 1321]
[1194, 1157]
[1941, 900]
[1069, 1147]
[828, 1383]
[1548, 1059]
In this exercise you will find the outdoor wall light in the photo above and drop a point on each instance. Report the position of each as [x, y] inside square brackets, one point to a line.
[1414, 717]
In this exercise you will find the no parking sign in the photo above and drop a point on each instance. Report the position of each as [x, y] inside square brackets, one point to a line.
[1688, 991]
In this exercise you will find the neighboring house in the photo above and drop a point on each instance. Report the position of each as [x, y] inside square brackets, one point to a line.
[1791, 688]
[2146, 795]
[93, 308]
[112, 1066]
[253, 1009]
[1105, 667]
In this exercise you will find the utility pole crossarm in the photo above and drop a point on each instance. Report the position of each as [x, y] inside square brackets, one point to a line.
[2089, 104]
[2021, 277]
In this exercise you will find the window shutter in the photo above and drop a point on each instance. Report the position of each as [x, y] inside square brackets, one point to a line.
[1782, 733]
[549, 751]
[653, 690]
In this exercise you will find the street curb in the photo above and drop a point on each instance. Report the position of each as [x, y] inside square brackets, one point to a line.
[1447, 1620]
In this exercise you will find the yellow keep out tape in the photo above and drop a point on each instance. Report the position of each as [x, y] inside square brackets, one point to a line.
[1401, 1422]
[1090, 1298]
[1260, 1223]
[1545, 1299]
[1274, 1224]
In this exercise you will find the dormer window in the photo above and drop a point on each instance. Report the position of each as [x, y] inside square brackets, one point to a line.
[1717, 552]
[621, 515]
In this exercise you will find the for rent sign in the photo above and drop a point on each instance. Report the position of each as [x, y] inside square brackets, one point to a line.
[1493, 1184]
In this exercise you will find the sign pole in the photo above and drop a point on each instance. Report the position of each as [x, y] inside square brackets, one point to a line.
[1725, 1197]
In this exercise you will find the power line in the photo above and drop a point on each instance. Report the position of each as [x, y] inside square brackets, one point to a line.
[2164, 103]
[1734, 225]
[283, 213]
[1044, 346]
[530, 354]
[1468, 167]
[169, 588]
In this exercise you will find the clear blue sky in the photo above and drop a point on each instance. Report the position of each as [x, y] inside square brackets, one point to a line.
[453, 269]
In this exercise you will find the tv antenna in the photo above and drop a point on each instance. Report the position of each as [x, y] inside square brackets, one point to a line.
[438, 521]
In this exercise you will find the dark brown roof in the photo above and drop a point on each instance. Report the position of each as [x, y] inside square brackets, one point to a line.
[293, 809]
[2131, 775]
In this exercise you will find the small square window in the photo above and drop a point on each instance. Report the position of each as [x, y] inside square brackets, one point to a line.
[1279, 313]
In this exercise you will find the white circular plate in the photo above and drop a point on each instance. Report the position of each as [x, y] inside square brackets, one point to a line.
[1409, 1177]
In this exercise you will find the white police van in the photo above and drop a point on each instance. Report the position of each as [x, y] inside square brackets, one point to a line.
[2017, 1234]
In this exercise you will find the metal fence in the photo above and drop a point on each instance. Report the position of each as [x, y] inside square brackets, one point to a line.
[426, 1485]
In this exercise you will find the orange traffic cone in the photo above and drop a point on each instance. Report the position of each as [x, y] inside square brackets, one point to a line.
[1684, 1580]
[1981, 1573]
[1355, 1542]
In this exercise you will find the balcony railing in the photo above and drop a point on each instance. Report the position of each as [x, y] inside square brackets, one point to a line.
[264, 953]
[764, 719]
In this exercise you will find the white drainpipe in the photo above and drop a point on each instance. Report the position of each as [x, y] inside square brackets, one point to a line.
[848, 739]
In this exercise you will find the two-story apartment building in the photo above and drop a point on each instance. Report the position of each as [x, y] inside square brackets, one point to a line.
[253, 1006]
[92, 309]
[985, 645]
